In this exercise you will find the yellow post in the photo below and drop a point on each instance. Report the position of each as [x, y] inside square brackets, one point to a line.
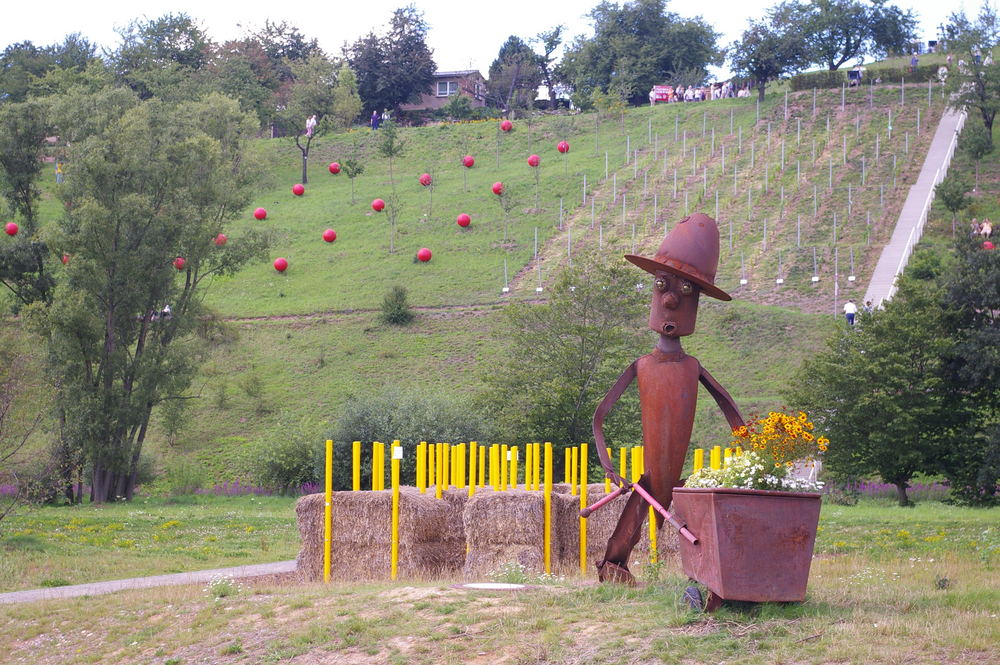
[583, 504]
[538, 464]
[653, 555]
[504, 460]
[482, 467]
[375, 445]
[716, 459]
[328, 513]
[446, 469]
[727, 456]
[529, 449]
[514, 453]
[439, 459]
[460, 470]
[356, 470]
[568, 466]
[573, 457]
[636, 463]
[739, 450]
[607, 481]
[699, 459]
[495, 467]
[621, 462]
[473, 461]
[422, 467]
[397, 456]
[431, 464]
[547, 526]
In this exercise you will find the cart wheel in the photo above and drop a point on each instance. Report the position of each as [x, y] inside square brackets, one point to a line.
[692, 596]
[713, 603]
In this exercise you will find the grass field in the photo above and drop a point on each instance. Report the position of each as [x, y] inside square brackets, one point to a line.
[888, 585]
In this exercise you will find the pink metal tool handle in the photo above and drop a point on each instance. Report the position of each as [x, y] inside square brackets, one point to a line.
[585, 512]
[682, 528]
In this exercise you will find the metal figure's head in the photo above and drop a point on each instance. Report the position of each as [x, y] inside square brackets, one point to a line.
[683, 268]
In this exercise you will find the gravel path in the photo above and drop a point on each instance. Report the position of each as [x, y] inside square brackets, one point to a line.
[99, 588]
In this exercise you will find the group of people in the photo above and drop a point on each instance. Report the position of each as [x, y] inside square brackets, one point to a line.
[693, 93]
[851, 310]
[984, 228]
[377, 119]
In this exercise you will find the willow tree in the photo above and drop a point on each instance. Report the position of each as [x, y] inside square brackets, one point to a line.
[147, 194]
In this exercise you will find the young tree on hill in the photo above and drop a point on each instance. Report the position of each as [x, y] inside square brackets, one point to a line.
[952, 193]
[560, 357]
[147, 192]
[395, 68]
[768, 50]
[23, 269]
[637, 45]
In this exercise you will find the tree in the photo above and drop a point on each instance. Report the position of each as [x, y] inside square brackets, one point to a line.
[154, 182]
[767, 51]
[559, 358]
[14, 431]
[637, 45]
[395, 68]
[952, 193]
[836, 31]
[976, 142]
[19, 64]
[159, 51]
[23, 128]
[882, 388]
[550, 40]
[514, 76]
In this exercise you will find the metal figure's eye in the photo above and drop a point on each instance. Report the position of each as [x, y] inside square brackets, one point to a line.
[660, 284]
[686, 288]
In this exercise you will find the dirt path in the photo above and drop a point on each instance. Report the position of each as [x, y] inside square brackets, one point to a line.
[101, 588]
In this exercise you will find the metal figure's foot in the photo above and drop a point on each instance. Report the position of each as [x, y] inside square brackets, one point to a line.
[608, 571]
[692, 596]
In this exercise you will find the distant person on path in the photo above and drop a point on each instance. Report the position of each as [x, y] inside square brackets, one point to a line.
[850, 310]
[310, 125]
[914, 62]
[868, 307]
[375, 120]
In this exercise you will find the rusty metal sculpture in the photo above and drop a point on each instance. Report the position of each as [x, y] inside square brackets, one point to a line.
[683, 268]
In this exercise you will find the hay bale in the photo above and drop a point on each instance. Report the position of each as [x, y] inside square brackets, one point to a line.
[502, 527]
[431, 542]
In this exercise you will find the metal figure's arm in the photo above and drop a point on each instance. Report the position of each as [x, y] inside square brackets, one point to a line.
[722, 398]
[598, 423]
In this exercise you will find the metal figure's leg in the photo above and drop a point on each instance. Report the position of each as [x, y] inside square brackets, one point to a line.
[614, 566]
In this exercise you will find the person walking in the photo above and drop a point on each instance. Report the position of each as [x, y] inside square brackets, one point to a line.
[850, 311]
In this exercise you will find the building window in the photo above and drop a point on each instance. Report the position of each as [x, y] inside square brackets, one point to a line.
[447, 88]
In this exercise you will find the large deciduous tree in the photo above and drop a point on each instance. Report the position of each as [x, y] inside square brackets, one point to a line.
[767, 51]
[514, 76]
[637, 45]
[550, 41]
[883, 388]
[559, 358]
[158, 54]
[837, 31]
[394, 68]
[974, 85]
[149, 183]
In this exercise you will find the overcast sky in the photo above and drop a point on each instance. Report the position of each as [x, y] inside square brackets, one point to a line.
[463, 35]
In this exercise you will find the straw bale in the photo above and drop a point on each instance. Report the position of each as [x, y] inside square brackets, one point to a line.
[502, 527]
[430, 544]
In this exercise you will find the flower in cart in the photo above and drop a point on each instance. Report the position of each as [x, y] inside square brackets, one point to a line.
[767, 449]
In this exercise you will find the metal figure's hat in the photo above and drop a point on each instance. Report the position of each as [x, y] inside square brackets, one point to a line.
[691, 251]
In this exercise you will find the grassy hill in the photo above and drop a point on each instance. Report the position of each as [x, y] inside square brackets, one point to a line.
[300, 342]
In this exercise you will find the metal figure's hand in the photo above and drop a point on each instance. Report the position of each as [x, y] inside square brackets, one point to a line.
[617, 480]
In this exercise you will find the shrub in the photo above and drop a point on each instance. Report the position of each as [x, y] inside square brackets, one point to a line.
[184, 476]
[286, 463]
[395, 307]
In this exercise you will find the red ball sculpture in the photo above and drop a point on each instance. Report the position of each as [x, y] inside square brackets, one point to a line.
[11, 229]
[378, 205]
[424, 254]
[329, 235]
[334, 168]
[65, 259]
[534, 160]
[506, 125]
[221, 239]
[280, 264]
[987, 244]
[468, 161]
[563, 147]
[179, 263]
[463, 220]
[425, 179]
[498, 188]
[298, 190]
[260, 213]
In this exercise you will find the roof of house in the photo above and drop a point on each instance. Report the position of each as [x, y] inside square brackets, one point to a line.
[461, 72]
